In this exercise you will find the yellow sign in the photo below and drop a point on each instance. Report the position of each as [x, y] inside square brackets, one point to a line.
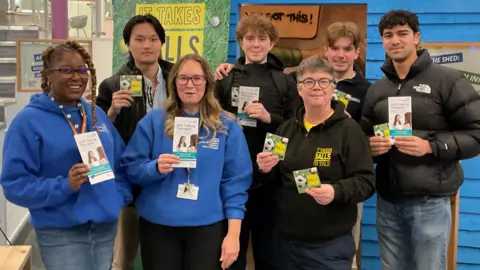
[179, 43]
[176, 19]
[176, 16]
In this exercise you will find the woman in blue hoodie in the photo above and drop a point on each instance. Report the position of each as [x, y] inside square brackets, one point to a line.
[74, 220]
[183, 211]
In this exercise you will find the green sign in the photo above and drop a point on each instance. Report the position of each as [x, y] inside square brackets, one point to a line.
[199, 26]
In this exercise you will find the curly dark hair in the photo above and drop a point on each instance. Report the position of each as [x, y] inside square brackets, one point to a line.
[399, 17]
[50, 56]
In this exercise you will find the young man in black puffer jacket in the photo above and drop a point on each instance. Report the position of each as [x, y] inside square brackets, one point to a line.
[417, 175]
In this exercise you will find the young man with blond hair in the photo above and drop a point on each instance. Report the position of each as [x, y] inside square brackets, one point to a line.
[278, 95]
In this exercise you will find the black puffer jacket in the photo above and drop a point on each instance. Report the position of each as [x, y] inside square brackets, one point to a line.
[446, 112]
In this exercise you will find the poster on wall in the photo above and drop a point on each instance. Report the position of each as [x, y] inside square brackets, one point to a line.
[465, 58]
[302, 29]
[29, 61]
[191, 27]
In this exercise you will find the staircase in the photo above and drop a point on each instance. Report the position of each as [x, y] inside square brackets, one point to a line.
[8, 54]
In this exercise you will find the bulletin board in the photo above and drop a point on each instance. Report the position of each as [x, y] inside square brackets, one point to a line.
[29, 61]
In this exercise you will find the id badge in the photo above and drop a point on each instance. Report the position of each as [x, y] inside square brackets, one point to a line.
[187, 192]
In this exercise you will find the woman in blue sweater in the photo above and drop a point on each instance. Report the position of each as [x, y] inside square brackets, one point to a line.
[74, 220]
[178, 233]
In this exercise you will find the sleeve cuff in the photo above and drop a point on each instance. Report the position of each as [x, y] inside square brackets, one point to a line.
[338, 194]
[66, 188]
[152, 169]
[234, 214]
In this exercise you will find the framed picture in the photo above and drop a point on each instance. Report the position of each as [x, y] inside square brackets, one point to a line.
[29, 61]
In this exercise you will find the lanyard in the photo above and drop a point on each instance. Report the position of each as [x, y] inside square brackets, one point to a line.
[84, 122]
[188, 185]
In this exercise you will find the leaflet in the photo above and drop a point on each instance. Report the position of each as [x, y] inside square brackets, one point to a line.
[306, 178]
[247, 96]
[275, 144]
[185, 141]
[400, 116]
[341, 96]
[132, 83]
[92, 153]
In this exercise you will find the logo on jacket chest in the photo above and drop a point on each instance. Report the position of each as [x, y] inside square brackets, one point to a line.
[210, 143]
[323, 157]
[423, 88]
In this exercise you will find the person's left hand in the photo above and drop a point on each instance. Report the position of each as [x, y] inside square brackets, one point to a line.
[323, 195]
[257, 111]
[412, 145]
[230, 249]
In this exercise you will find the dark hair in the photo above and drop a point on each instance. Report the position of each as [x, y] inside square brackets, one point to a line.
[51, 55]
[139, 19]
[399, 17]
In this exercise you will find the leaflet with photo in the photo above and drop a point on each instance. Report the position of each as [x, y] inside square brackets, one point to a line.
[132, 83]
[400, 116]
[306, 178]
[247, 96]
[185, 141]
[341, 96]
[275, 144]
[92, 153]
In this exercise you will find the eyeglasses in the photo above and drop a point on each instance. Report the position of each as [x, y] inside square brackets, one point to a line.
[82, 72]
[310, 83]
[197, 80]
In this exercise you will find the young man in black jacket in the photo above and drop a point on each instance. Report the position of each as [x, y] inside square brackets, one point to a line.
[315, 223]
[144, 36]
[417, 175]
[277, 96]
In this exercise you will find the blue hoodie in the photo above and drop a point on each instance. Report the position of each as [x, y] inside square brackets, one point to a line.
[223, 174]
[38, 152]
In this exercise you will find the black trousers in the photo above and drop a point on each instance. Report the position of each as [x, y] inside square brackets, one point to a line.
[329, 254]
[181, 248]
[259, 225]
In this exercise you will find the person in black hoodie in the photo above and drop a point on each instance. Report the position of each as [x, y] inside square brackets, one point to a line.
[418, 174]
[315, 227]
[277, 95]
[144, 36]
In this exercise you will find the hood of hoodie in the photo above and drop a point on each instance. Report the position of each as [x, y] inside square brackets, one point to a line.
[422, 63]
[337, 116]
[272, 62]
[42, 101]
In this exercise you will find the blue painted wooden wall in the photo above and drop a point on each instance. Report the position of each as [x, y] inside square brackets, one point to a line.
[440, 21]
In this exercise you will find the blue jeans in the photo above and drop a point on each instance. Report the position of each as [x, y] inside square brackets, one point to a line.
[84, 247]
[414, 233]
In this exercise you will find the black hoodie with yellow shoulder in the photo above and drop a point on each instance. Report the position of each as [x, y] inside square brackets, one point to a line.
[340, 151]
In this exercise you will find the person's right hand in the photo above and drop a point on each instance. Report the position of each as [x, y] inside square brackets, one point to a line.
[120, 99]
[165, 162]
[380, 145]
[223, 70]
[266, 161]
[78, 175]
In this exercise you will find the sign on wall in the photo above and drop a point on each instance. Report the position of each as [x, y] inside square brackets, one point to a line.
[29, 61]
[191, 27]
[302, 29]
[464, 57]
